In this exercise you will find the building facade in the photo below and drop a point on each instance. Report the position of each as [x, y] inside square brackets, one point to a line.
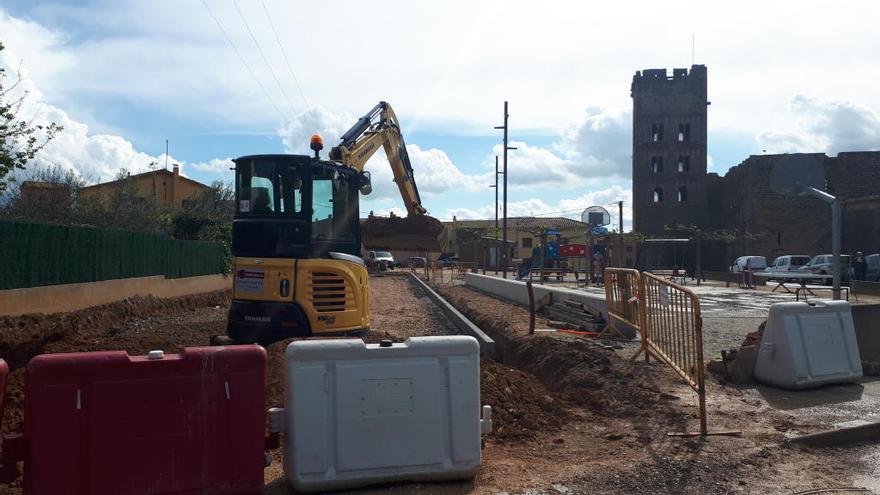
[166, 188]
[669, 148]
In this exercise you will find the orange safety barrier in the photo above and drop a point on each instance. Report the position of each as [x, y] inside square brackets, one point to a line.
[671, 315]
[622, 289]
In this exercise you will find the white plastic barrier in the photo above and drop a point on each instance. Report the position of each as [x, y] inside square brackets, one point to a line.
[361, 414]
[808, 345]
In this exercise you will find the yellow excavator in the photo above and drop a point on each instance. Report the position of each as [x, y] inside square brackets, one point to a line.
[297, 236]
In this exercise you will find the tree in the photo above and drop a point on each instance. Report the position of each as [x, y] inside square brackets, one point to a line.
[208, 216]
[20, 138]
[47, 194]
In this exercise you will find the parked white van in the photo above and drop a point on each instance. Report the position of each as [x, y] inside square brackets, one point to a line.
[788, 263]
[754, 263]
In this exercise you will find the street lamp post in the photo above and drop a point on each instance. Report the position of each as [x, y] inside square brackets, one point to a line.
[496, 197]
[504, 221]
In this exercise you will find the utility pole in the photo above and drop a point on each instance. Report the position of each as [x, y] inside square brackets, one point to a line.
[620, 233]
[496, 197]
[504, 221]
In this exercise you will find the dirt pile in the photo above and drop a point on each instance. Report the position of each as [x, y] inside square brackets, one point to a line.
[23, 337]
[521, 407]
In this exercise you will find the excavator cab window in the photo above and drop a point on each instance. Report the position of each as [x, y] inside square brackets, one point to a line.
[334, 205]
[266, 186]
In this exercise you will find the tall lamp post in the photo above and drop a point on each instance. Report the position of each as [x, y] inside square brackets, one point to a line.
[504, 221]
[620, 233]
[495, 185]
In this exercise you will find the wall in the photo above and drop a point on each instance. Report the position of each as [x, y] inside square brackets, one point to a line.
[72, 297]
[790, 224]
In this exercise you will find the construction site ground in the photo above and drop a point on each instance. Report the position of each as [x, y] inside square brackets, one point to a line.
[571, 415]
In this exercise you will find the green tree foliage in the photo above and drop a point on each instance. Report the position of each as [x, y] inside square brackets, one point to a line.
[20, 137]
[45, 194]
[206, 217]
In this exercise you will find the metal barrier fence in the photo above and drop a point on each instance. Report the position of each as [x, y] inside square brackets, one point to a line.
[674, 332]
[622, 289]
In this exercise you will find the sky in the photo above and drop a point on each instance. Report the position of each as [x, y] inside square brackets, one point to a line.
[225, 78]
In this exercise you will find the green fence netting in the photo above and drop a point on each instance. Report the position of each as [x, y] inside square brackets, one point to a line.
[35, 254]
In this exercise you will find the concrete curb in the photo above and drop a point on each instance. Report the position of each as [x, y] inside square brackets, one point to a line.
[465, 326]
[841, 437]
[515, 291]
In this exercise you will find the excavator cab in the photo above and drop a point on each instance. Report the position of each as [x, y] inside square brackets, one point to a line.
[296, 244]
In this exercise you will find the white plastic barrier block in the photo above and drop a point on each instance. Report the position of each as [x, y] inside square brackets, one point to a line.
[808, 345]
[360, 414]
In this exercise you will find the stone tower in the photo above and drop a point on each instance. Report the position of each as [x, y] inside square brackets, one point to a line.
[669, 149]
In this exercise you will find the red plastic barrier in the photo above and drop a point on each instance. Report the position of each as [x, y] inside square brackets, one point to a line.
[4, 374]
[110, 423]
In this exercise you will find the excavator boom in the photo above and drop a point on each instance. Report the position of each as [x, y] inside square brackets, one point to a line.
[380, 127]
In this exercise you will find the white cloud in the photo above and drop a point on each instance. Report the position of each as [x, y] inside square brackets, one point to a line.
[600, 143]
[219, 166]
[829, 126]
[95, 157]
[564, 207]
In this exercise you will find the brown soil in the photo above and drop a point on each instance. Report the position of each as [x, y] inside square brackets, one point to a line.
[521, 407]
[617, 414]
[570, 416]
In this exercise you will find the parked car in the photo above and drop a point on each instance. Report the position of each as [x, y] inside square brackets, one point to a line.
[754, 263]
[873, 273]
[415, 261]
[380, 259]
[787, 263]
[449, 261]
[821, 264]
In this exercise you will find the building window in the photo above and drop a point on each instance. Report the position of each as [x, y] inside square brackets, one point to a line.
[684, 164]
[658, 194]
[682, 194]
[657, 164]
[526, 242]
[657, 133]
[684, 133]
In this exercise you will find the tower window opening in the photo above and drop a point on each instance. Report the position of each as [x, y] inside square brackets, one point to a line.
[682, 194]
[658, 194]
[657, 133]
[684, 133]
[684, 163]
[657, 164]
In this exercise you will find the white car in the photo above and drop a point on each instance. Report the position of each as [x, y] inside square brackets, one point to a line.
[381, 259]
[754, 263]
[788, 263]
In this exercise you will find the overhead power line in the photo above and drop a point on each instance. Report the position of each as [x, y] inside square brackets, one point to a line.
[284, 53]
[263, 54]
[243, 61]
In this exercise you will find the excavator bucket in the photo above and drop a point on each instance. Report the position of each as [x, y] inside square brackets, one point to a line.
[414, 233]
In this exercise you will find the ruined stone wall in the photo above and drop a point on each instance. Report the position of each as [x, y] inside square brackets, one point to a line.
[745, 201]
